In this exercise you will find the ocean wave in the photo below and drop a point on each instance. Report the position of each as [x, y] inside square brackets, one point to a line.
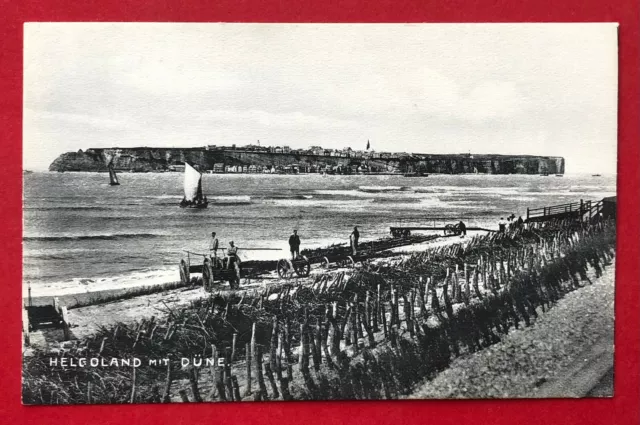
[376, 189]
[74, 208]
[105, 236]
[78, 285]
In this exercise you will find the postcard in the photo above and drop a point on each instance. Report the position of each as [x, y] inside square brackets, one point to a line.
[251, 212]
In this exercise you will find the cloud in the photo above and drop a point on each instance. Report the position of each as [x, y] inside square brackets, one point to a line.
[521, 88]
[265, 119]
[87, 120]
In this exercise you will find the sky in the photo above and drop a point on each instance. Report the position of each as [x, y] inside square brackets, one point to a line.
[538, 89]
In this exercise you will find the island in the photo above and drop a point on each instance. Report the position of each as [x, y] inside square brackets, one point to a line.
[284, 160]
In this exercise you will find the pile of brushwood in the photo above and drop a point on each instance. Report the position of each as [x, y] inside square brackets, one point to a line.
[366, 334]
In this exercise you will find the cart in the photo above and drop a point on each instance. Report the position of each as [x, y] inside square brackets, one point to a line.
[288, 268]
[213, 271]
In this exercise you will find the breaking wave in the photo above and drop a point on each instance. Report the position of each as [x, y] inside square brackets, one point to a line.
[105, 237]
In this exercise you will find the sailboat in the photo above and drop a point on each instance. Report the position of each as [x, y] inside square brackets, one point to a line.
[113, 179]
[193, 189]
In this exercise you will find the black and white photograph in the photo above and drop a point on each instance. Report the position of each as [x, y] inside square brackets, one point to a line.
[224, 212]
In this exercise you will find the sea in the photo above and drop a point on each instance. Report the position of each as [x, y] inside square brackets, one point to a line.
[83, 235]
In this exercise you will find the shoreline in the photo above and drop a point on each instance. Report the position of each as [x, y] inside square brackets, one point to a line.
[71, 299]
[430, 303]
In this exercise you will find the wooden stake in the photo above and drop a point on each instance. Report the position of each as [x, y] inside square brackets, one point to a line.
[383, 316]
[376, 315]
[467, 286]
[167, 385]
[229, 386]
[247, 390]
[233, 347]
[274, 344]
[236, 389]
[133, 385]
[317, 360]
[272, 381]
[258, 368]
[193, 380]
[218, 378]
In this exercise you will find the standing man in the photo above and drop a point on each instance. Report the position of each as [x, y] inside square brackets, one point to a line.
[502, 225]
[353, 238]
[213, 246]
[463, 228]
[294, 245]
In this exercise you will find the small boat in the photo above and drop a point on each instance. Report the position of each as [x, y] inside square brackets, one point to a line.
[113, 178]
[595, 175]
[559, 175]
[193, 197]
[27, 172]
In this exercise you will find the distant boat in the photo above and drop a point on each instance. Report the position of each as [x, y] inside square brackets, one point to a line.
[559, 175]
[595, 175]
[113, 179]
[193, 197]
[27, 172]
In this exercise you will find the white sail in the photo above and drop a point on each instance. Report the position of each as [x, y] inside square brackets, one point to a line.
[191, 182]
[113, 178]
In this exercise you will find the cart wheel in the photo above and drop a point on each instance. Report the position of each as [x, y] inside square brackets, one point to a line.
[449, 229]
[285, 268]
[302, 266]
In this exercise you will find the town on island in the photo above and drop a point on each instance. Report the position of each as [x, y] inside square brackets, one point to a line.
[255, 158]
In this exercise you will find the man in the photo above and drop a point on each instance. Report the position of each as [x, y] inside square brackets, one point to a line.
[353, 238]
[213, 246]
[463, 228]
[232, 255]
[294, 245]
[213, 251]
[502, 225]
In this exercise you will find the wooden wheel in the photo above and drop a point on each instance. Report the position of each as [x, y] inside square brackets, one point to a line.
[302, 266]
[449, 229]
[285, 268]
[347, 262]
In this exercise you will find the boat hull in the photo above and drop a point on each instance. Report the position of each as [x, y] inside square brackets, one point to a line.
[195, 206]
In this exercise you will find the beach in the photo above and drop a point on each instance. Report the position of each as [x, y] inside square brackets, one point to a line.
[83, 236]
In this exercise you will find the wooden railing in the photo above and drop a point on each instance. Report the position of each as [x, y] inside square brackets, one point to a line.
[583, 210]
[575, 209]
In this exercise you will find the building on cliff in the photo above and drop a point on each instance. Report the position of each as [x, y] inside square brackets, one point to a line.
[315, 159]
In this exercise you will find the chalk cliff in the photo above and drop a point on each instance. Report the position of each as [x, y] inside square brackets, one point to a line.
[162, 159]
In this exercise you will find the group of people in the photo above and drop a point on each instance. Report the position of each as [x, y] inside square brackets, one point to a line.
[511, 223]
[231, 254]
[294, 243]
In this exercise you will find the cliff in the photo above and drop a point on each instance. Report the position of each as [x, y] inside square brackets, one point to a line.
[161, 159]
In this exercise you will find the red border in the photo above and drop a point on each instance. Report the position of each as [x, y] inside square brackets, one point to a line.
[622, 409]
